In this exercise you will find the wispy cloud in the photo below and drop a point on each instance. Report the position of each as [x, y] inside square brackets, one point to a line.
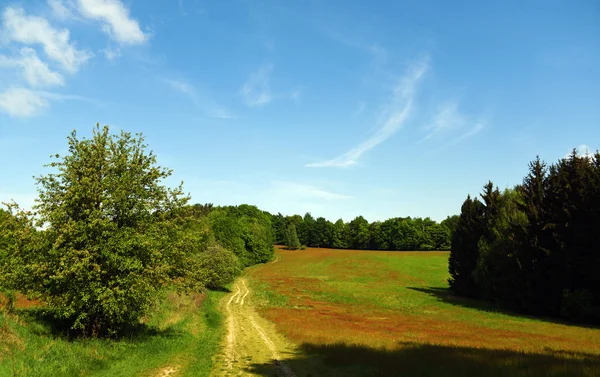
[199, 99]
[112, 53]
[256, 90]
[447, 118]
[31, 30]
[350, 39]
[23, 103]
[362, 105]
[392, 117]
[304, 191]
[467, 134]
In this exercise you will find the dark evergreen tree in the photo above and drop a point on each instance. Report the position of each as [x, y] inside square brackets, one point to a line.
[464, 250]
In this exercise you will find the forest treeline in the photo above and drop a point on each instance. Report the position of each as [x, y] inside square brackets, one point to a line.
[400, 233]
[107, 240]
[536, 247]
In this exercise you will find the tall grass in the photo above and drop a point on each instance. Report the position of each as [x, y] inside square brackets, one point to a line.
[183, 334]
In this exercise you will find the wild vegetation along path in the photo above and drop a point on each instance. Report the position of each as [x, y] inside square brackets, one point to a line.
[252, 346]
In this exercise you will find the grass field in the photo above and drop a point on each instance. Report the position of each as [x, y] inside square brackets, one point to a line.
[366, 313]
[180, 338]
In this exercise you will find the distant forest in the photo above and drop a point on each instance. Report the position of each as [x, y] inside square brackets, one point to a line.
[535, 248]
[399, 233]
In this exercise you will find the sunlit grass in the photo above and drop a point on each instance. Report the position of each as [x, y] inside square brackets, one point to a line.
[393, 300]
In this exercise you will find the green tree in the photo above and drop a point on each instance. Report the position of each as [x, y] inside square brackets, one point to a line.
[340, 235]
[219, 266]
[464, 251]
[321, 233]
[306, 230]
[245, 230]
[450, 222]
[291, 238]
[107, 251]
[279, 228]
[359, 233]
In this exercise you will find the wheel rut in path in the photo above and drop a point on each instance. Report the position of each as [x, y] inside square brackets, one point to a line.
[250, 340]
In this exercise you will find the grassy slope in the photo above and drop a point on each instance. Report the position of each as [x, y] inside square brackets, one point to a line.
[180, 335]
[379, 313]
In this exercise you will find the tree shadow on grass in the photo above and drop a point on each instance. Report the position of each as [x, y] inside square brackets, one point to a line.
[220, 289]
[51, 324]
[422, 360]
[446, 295]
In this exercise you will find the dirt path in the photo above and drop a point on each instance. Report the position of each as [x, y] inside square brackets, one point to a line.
[252, 346]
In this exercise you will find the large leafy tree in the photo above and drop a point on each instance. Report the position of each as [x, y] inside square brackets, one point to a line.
[111, 239]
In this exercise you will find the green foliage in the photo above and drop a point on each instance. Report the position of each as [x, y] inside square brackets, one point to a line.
[392, 234]
[464, 251]
[291, 238]
[245, 230]
[219, 265]
[279, 228]
[109, 243]
[8, 225]
[535, 248]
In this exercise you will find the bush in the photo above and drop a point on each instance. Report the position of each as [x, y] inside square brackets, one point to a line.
[219, 265]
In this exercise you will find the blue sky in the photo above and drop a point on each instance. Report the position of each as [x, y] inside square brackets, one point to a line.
[338, 108]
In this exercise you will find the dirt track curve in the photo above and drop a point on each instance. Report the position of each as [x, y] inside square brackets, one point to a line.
[252, 346]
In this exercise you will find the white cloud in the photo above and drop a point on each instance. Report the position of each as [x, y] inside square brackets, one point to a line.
[256, 90]
[302, 191]
[22, 28]
[117, 22]
[392, 117]
[35, 71]
[201, 101]
[21, 102]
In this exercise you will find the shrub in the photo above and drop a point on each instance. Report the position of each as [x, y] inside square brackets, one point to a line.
[219, 265]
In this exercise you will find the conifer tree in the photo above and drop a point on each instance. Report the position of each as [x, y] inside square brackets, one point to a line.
[464, 250]
[291, 238]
